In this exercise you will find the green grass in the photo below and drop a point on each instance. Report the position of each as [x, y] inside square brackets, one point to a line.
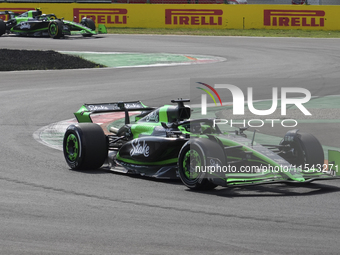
[227, 32]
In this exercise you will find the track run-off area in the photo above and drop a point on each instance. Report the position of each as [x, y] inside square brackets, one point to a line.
[48, 209]
[126, 59]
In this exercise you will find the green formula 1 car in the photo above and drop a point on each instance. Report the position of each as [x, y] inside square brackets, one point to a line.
[165, 143]
[34, 23]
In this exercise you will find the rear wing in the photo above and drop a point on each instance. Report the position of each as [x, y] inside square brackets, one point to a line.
[10, 14]
[84, 113]
[6, 12]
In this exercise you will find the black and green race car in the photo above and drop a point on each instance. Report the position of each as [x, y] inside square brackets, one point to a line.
[34, 23]
[165, 143]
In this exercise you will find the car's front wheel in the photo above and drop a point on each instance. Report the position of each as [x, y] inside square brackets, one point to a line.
[191, 162]
[90, 24]
[304, 150]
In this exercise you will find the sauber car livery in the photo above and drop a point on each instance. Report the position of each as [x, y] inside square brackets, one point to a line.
[34, 23]
[165, 143]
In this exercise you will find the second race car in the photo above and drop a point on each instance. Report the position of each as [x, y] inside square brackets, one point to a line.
[34, 23]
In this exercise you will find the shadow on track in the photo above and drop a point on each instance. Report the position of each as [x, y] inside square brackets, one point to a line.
[67, 37]
[274, 190]
[129, 175]
[265, 190]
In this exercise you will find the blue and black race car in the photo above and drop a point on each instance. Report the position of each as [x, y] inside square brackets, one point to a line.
[165, 143]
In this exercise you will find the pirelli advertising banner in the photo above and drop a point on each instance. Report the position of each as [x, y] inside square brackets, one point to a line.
[194, 15]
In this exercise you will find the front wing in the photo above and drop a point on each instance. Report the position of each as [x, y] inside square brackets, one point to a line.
[230, 179]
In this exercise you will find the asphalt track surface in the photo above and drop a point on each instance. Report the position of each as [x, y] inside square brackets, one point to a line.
[47, 209]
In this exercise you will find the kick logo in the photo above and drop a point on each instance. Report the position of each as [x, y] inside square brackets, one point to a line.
[139, 149]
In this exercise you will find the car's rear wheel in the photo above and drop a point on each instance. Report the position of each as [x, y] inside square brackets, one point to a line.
[85, 146]
[305, 151]
[2, 27]
[191, 162]
[55, 29]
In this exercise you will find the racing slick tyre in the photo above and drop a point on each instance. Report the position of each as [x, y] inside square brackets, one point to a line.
[191, 156]
[85, 146]
[90, 24]
[55, 29]
[307, 151]
[2, 27]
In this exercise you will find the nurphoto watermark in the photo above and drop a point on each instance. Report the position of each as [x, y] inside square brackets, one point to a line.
[277, 99]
